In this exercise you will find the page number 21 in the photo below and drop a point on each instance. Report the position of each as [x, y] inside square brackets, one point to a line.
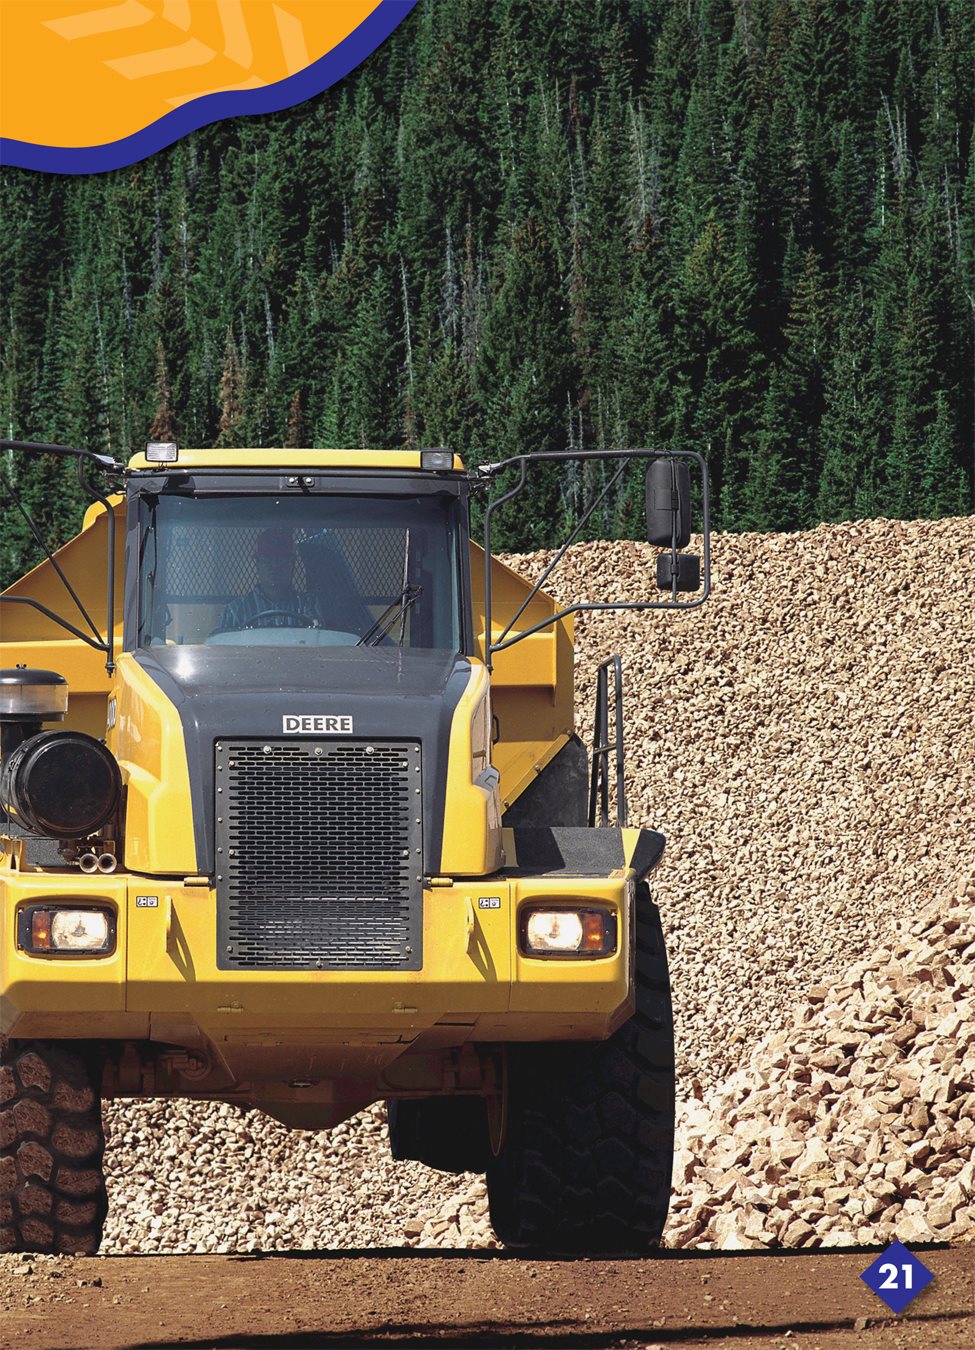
[890, 1271]
[897, 1276]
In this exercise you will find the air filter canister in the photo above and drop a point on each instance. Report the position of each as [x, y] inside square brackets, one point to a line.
[61, 783]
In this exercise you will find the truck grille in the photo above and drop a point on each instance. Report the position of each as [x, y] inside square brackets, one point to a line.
[318, 855]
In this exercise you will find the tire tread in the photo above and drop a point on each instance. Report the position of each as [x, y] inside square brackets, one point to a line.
[51, 1114]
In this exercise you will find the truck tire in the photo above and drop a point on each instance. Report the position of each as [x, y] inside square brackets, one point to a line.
[52, 1183]
[448, 1133]
[587, 1160]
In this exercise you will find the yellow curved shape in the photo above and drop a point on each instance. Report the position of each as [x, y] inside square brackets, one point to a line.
[80, 73]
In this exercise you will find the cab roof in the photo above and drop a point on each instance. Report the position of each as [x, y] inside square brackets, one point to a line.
[277, 459]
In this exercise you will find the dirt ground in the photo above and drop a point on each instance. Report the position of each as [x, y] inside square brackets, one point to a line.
[796, 1301]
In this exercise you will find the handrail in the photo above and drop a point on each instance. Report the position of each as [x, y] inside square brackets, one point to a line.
[602, 745]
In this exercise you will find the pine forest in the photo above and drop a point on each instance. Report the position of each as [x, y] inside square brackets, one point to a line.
[743, 227]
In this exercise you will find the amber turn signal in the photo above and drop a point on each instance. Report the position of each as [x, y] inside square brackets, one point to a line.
[40, 930]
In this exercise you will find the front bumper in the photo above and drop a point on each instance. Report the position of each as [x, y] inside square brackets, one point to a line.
[162, 981]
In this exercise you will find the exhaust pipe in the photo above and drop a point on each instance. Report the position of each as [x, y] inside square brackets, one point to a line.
[88, 863]
[107, 862]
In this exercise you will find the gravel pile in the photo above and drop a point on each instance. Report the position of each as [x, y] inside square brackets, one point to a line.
[805, 742]
[855, 1124]
[193, 1177]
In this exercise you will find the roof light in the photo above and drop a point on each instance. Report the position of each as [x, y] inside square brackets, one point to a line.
[437, 461]
[162, 452]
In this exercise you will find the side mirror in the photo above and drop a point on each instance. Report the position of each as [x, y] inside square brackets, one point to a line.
[684, 568]
[669, 503]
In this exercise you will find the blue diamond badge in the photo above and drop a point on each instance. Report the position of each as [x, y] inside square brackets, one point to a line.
[897, 1276]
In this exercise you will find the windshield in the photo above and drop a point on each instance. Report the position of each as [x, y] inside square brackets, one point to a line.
[300, 571]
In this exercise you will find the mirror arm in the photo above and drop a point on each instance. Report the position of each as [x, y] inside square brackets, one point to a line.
[31, 525]
[586, 607]
[110, 582]
[105, 462]
[97, 643]
[562, 551]
[486, 472]
[533, 456]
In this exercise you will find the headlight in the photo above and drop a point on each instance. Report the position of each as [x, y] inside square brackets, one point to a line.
[568, 932]
[51, 930]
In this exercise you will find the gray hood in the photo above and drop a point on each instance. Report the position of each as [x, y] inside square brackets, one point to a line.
[390, 694]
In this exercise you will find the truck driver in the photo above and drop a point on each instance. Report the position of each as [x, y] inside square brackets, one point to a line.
[273, 602]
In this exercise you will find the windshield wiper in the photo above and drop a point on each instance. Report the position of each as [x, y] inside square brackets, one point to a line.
[399, 609]
[149, 599]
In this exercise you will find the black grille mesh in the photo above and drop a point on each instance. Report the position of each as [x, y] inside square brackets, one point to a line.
[318, 855]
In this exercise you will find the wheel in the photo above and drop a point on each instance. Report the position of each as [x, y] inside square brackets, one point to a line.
[448, 1133]
[587, 1160]
[52, 1184]
[304, 620]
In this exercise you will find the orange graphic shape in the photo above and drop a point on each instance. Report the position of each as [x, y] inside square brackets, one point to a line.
[86, 72]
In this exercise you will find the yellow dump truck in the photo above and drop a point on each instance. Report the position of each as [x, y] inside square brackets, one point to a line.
[296, 818]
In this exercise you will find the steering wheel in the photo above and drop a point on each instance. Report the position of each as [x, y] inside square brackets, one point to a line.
[305, 620]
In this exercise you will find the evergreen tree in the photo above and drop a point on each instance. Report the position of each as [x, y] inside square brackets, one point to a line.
[163, 426]
[771, 498]
[943, 488]
[743, 227]
[809, 334]
[716, 388]
[232, 381]
[524, 374]
[847, 485]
